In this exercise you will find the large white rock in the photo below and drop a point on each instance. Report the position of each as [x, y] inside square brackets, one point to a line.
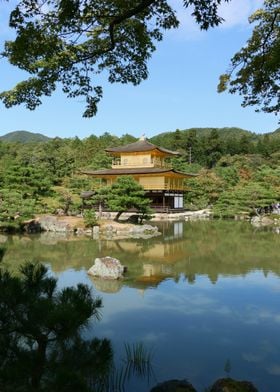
[107, 268]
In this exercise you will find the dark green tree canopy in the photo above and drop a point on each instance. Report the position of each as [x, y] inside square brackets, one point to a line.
[69, 42]
[125, 193]
[41, 345]
[254, 71]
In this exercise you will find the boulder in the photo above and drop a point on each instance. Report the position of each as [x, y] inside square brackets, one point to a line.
[95, 230]
[32, 226]
[51, 223]
[260, 221]
[230, 385]
[107, 268]
[174, 386]
[80, 231]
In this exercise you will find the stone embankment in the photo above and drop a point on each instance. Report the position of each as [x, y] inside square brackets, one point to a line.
[115, 230]
[107, 226]
[186, 215]
[75, 225]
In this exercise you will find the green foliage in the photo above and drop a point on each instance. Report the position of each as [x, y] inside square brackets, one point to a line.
[66, 201]
[30, 180]
[90, 218]
[77, 182]
[2, 252]
[204, 190]
[268, 175]
[254, 71]
[73, 41]
[100, 160]
[229, 174]
[41, 344]
[244, 199]
[124, 194]
[14, 209]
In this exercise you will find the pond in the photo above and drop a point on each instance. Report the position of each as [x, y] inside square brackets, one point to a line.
[202, 295]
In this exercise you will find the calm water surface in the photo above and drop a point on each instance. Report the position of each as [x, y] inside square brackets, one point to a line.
[201, 294]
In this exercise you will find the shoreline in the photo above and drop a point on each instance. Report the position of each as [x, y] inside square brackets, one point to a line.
[125, 227]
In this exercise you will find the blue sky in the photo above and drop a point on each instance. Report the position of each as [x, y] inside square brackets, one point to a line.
[179, 93]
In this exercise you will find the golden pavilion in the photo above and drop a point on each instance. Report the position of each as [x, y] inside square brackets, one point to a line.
[146, 163]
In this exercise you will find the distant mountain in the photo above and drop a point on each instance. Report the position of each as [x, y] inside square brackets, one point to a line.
[24, 137]
[224, 133]
[167, 139]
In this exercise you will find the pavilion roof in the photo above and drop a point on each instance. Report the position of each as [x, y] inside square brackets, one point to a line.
[140, 146]
[131, 171]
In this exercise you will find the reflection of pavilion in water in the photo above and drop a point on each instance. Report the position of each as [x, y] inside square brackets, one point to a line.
[155, 259]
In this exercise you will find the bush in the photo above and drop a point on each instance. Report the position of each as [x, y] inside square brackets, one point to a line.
[90, 219]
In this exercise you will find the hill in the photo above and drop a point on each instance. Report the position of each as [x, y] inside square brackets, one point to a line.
[274, 135]
[24, 137]
[170, 139]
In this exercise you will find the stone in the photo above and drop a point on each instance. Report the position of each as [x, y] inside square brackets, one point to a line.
[266, 221]
[60, 212]
[174, 386]
[198, 215]
[32, 226]
[107, 268]
[51, 223]
[230, 385]
[260, 221]
[95, 230]
[117, 230]
[80, 231]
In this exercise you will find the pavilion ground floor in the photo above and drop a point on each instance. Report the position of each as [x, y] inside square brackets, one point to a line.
[166, 201]
[162, 201]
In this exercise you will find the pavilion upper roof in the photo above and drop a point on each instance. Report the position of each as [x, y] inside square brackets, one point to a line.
[141, 145]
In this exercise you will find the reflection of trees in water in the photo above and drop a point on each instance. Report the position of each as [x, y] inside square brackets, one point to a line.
[212, 248]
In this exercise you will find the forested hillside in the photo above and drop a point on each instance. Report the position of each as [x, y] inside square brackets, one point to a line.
[24, 137]
[238, 171]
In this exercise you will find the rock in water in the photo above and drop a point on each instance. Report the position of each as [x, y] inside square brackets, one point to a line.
[107, 268]
[230, 385]
[174, 386]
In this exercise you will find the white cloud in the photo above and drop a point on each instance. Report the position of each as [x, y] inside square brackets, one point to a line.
[152, 337]
[253, 358]
[274, 369]
[235, 13]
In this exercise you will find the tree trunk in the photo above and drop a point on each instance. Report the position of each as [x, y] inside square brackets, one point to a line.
[40, 359]
[118, 216]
